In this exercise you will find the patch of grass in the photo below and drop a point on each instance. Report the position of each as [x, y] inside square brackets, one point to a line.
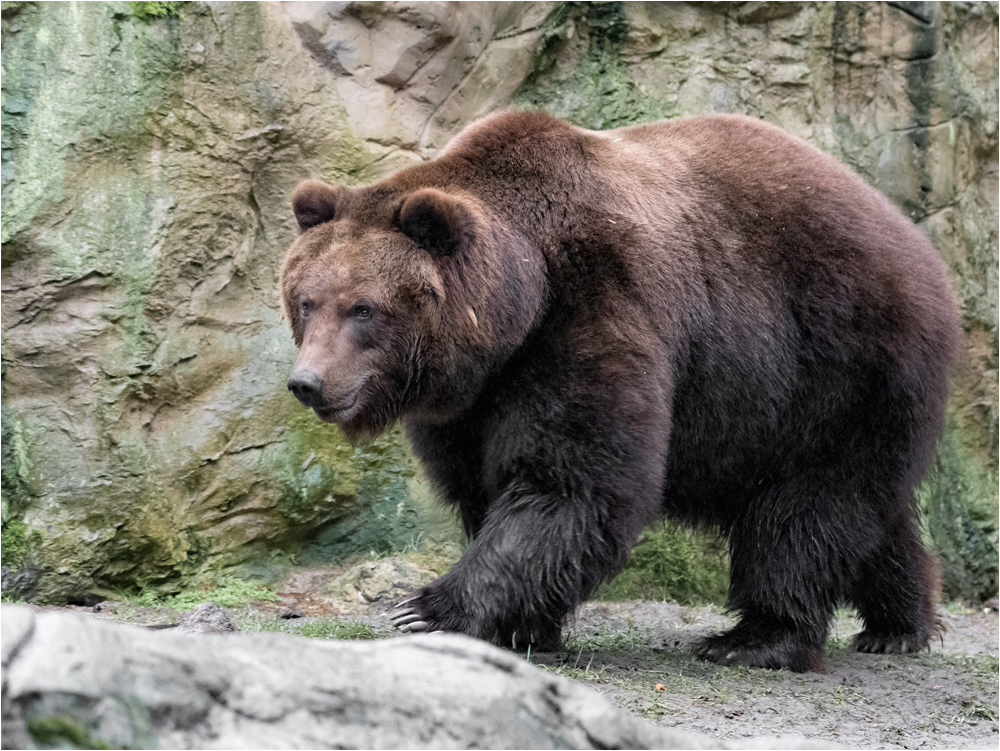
[672, 562]
[229, 592]
[584, 674]
[320, 628]
[982, 668]
[959, 607]
[331, 629]
[610, 639]
[847, 695]
[974, 711]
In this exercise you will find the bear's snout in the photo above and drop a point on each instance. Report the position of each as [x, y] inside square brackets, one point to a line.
[307, 387]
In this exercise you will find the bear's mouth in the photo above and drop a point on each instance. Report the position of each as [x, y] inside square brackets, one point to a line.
[340, 410]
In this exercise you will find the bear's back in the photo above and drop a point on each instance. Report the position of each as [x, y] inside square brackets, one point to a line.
[768, 218]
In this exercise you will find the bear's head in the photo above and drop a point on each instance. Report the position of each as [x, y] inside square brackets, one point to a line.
[378, 307]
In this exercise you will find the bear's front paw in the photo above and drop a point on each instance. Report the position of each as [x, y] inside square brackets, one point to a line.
[428, 610]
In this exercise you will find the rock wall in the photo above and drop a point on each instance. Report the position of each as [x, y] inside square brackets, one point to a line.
[148, 161]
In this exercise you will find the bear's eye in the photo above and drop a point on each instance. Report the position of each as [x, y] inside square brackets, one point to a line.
[362, 312]
[304, 308]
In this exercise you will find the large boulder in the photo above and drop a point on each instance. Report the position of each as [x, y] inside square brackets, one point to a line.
[72, 681]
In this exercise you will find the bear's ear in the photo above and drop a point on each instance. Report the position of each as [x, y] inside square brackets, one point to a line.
[437, 222]
[314, 203]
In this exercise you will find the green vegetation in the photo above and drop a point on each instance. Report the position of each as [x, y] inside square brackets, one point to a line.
[63, 732]
[973, 711]
[959, 506]
[17, 542]
[16, 465]
[153, 9]
[673, 563]
[609, 640]
[322, 470]
[319, 628]
[228, 592]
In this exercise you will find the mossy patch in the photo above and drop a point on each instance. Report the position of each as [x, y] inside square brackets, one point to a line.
[16, 465]
[153, 9]
[371, 486]
[18, 540]
[63, 732]
[958, 501]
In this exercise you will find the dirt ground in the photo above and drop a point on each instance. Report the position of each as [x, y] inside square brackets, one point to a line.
[942, 698]
[638, 654]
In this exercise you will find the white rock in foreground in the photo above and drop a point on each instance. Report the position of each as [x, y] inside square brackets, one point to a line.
[87, 681]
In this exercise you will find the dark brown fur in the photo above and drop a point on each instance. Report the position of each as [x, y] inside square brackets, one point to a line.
[703, 318]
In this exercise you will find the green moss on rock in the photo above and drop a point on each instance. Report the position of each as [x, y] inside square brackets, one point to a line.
[64, 732]
[16, 465]
[958, 501]
[152, 9]
[370, 487]
[18, 541]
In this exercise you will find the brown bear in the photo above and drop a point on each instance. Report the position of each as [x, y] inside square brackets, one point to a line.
[582, 331]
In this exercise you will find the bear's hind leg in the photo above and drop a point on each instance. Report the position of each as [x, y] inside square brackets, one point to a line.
[788, 571]
[895, 592]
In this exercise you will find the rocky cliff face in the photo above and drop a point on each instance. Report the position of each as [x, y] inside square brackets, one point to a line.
[148, 162]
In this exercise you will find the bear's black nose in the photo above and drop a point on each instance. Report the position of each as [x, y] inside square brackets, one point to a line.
[307, 387]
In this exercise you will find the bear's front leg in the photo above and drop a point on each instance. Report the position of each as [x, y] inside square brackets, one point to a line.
[440, 606]
[575, 492]
[537, 557]
[569, 468]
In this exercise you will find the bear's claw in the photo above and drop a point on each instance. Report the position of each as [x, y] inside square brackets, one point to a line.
[878, 643]
[413, 626]
[411, 619]
[405, 616]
